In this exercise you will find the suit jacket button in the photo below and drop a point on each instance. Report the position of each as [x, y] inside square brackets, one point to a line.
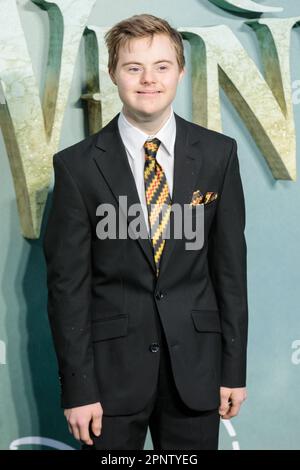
[159, 295]
[154, 347]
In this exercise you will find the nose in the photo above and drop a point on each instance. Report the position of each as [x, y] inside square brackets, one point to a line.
[148, 76]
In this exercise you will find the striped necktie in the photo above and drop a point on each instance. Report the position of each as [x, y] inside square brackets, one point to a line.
[157, 198]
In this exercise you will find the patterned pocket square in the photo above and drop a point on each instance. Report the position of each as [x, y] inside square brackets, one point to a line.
[199, 198]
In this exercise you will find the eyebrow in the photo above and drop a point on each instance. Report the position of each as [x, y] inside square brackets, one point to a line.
[157, 62]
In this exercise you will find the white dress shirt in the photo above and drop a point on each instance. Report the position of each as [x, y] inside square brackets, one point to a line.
[134, 139]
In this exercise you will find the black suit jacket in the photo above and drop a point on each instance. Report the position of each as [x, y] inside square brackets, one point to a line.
[105, 302]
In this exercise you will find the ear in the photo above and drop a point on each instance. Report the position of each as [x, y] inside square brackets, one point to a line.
[112, 77]
[181, 74]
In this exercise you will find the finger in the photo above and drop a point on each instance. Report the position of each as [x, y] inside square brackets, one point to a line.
[85, 435]
[96, 425]
[73, 428]
[75, 432]
[233, 411]
[66, 414]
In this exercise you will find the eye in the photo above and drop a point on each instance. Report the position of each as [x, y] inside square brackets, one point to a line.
[162, 68]
[134, 69]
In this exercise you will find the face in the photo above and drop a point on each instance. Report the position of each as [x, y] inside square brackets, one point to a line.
[147, 75]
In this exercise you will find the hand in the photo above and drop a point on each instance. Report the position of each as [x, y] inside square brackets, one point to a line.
[79, 419]
[231, 401]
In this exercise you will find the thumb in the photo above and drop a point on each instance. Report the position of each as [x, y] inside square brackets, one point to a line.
[224, 404]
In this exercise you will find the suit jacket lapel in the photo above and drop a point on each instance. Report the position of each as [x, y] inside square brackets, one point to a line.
[112, 161]
[186, 168]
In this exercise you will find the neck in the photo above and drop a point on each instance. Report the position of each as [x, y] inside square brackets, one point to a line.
[148, 124]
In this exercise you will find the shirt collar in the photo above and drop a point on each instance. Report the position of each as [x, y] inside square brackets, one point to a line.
[135, 138]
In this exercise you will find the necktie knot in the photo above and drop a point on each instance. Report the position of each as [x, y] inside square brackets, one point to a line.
[151, 147]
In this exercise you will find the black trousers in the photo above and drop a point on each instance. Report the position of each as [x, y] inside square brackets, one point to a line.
[173, 426]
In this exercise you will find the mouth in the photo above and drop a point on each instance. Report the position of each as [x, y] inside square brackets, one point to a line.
[148, 92]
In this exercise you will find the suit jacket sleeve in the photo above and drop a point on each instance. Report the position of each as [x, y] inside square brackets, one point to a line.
[67, 246]
[228, 266]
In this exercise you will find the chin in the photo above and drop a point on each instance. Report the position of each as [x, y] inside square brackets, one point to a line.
[149, 111]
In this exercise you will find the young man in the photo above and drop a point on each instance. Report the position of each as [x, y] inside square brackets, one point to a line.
[148, 332]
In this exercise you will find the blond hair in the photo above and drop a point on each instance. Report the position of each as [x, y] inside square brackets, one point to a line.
[140, 26]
